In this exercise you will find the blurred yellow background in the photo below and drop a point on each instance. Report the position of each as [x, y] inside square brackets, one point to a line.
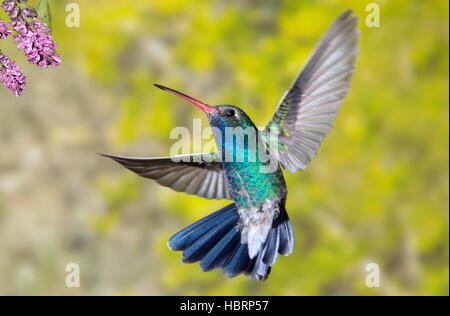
[378, 190]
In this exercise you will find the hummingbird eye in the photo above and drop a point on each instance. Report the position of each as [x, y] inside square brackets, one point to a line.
[229, 112]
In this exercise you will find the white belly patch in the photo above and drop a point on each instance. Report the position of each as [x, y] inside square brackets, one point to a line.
[255, 224]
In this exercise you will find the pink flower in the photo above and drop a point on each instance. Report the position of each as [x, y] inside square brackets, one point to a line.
[11, 75]
[31, 34]
[4, 30]
[8, 5]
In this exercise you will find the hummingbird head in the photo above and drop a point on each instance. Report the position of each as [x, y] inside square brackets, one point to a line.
[219, 116]
[229, 116]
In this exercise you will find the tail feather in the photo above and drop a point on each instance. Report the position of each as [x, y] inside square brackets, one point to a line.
[239, 262]
[215, 241]
[273, 244]
[203, 245]
[284, 240]
[217, 256]
[286, 237]
[187, 236]
[258, 270]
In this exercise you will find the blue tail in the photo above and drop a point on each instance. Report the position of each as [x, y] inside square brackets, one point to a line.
[215, 241]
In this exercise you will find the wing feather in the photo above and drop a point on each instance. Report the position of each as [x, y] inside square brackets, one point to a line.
[309, 108]
[197, 174]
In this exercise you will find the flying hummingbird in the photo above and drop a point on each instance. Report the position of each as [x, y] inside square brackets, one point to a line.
[248, 235]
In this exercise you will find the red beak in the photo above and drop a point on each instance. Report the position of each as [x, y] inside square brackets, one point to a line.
[202, 106]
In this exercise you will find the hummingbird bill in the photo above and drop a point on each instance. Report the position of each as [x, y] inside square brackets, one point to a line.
[247, 236]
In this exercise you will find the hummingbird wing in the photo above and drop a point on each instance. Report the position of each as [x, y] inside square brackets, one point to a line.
[196, 174]
[309, 108]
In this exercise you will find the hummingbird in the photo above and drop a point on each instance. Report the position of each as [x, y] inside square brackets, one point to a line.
[247, 236]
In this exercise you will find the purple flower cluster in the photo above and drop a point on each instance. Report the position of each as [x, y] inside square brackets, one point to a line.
[31, 34]
[11, 76]
[4, 30]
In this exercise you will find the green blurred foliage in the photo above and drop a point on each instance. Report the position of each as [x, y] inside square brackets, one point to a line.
[378, 190]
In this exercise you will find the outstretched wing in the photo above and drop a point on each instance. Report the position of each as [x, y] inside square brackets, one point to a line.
[309, 108]
[197, 174]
